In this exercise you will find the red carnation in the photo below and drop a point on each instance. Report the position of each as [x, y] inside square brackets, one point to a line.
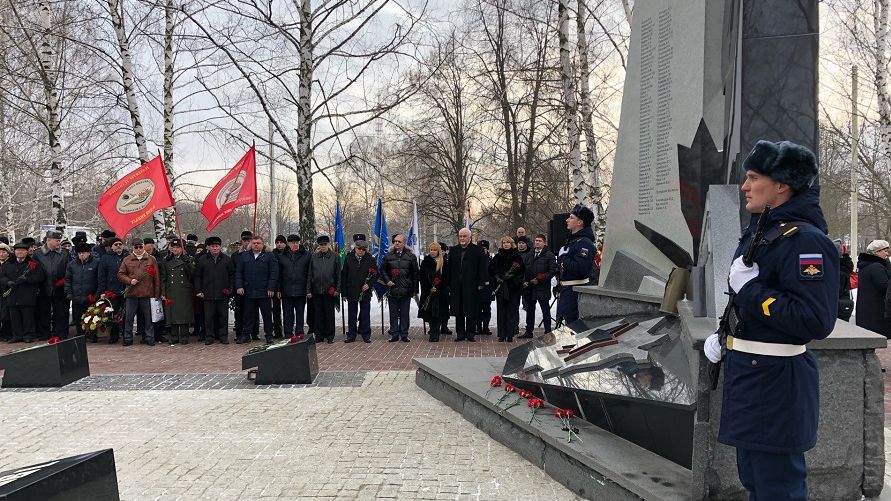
[372, 271]
[53, 340]
[60, 282]
[90, 298]
[110, 294]
[396, 273]
[496, 381]
[293, 340]
[509, 388]
[299, 337]
[515, 265]
[558, 412]
[151, 270]
[226, 292]
[540, 277]
[331, 291]
[32, 265]
[535, 403]
[168, 301]
[525, 393]
[436, 281]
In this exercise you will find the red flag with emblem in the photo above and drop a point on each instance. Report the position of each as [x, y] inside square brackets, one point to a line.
[237, 188]
[133, 199]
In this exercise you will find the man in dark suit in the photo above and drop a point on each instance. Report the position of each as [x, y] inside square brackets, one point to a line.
[467, 276]
[256, 279]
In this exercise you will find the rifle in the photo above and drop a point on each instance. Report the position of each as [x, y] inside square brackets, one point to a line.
[730, 325]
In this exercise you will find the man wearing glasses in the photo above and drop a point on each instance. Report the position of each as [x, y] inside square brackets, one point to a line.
[109, 263]
[139, 274]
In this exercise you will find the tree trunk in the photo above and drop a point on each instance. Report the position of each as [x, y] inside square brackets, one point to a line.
[53, 119]
[7, 191]
[115, 9]
[880, 20]
[169, 214]
[629, 11]
[580, 187]
[592, 159]
[304, 124]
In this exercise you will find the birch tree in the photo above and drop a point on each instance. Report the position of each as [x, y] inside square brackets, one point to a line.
[53, 121]
[580, 184]
[592, 159]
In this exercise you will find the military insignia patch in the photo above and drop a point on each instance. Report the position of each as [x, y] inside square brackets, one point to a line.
[583, 251]
[810, 266]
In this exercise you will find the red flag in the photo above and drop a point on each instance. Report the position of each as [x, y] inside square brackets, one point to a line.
[133, 199]
[237, 188]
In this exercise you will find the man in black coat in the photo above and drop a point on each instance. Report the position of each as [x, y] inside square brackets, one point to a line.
[281, 245]
[293, 271]
[356, 278]
[246, 237]
[324, 288]
[214, 280]
[541, 266]
[256, 279]
[52, 305]
[24, 276]
[468, 275]
[82, 285]
[486, 296]
[109, 285]
[5, 257]
[400, 273]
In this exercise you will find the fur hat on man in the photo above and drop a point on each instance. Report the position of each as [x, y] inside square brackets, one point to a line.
[784, 162]
[281, 238]
[293, 238]
[213, 241]
[83, 247]
[583, 213]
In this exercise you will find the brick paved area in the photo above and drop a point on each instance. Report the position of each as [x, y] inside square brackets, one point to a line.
[217, 358]
[385, 439]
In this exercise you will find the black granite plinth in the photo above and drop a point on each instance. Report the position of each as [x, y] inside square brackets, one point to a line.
[46, 364]
[288, 363]
[87, 477]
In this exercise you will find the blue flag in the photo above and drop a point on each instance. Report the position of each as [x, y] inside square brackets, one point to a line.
[380, 244]
[338, 234]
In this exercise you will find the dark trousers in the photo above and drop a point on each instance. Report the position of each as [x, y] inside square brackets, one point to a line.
[508, 315]
[52, 316]
[769, 476]
[310, 315]
[277, 317]
[485, 315]
[293, 315]
[567, 306]
[530, 314]
[239, 315]
[5, 327]
[142, 307]
[324, 316]
[200, 323]
[359, 319]
[77, 311]
[465, 322]
[21, 319]
[435, 331]
[216, 318]
[399, 312]
[180, 333]
[251, 306]
[118, 304]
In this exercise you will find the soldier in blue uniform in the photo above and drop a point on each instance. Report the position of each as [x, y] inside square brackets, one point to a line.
[787, 298]
[575, 264]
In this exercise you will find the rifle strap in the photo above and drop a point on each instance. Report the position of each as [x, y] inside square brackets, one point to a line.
[785, 229]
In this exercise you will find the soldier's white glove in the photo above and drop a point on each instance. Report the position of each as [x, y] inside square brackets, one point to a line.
[740, 274]
[712, 348]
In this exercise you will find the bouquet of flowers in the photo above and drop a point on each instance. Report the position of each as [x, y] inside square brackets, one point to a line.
[100, 316]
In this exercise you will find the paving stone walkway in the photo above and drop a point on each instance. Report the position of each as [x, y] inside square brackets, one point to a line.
[385, 439]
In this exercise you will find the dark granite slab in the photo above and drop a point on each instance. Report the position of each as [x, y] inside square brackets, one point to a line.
[599, 466]
[46, 365]
[87, 477]
[285, 363]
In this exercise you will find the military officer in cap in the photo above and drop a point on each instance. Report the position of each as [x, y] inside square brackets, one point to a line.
[52, 304]
[214, 281]
[177, 290]
[788, 297]
[575, 263]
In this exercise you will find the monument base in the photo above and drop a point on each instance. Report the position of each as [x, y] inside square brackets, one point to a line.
[46, 365]
[596, 465]
[288, 363]
[87, 477]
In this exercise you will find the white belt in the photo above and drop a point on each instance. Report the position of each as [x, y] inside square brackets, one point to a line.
[759, 348]
[583, 281]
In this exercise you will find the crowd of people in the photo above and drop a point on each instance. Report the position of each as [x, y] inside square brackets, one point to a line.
[295, 288]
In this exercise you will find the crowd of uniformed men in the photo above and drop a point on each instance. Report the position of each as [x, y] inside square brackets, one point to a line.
[45, 286]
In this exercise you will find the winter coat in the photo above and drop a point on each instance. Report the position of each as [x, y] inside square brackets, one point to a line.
[356, 273]
[467, 273]
[109, 265]
[215, 278]
[438, 307]
[53, 264]
[257, 275]
[144, 270]
[541, 269]
[293, 272]
[82, 281]
[873, 273]
[25, 284]
[324, 273]
[176, 287]
[486, 294]
[405, 281]
[506, 272]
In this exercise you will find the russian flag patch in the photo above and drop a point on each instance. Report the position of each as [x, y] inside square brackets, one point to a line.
[810, 266]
